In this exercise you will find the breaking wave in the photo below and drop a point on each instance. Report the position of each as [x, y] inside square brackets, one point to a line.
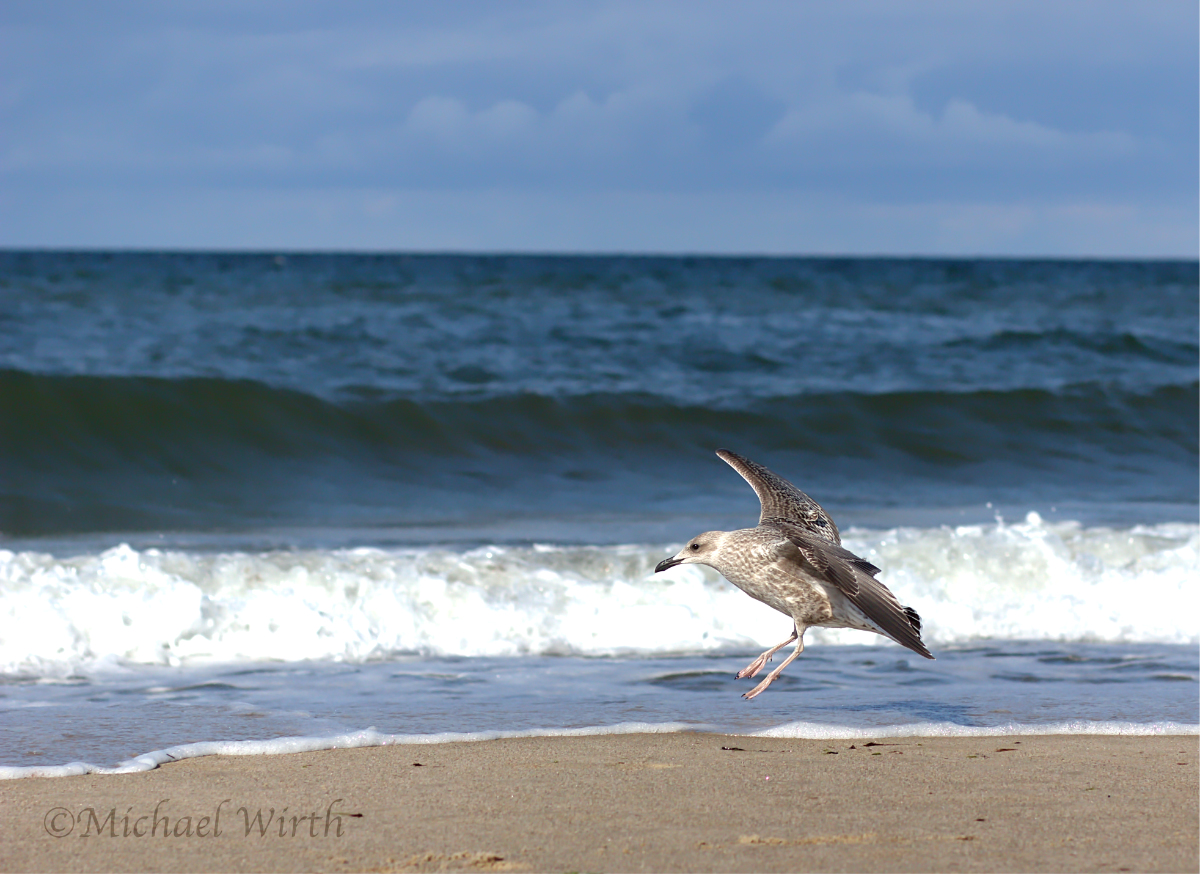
[1036, 580]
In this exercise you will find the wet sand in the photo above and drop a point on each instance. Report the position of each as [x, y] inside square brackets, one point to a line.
[678, 802]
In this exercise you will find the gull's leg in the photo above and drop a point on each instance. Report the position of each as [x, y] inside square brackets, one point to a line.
[774, 675]
[757, 665]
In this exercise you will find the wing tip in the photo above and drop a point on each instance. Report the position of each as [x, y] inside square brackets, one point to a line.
[914, 619]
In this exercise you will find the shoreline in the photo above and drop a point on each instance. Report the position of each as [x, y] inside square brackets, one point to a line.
[666, 802]
[366, 738]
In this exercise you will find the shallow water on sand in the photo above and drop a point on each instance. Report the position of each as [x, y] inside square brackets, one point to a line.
[110, 717]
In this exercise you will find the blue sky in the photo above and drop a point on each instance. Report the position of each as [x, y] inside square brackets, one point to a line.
[914, 128]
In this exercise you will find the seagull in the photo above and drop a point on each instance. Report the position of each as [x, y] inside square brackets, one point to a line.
[794, 561]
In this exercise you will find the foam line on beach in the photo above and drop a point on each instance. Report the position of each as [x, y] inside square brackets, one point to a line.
[799, 730]
[816, 731]
[285, 745]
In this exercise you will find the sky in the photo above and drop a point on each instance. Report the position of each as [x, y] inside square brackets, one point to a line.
[1050, 128]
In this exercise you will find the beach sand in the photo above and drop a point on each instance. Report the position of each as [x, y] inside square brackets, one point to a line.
[657, 802]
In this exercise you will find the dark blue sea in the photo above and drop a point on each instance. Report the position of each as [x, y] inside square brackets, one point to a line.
[254, 496]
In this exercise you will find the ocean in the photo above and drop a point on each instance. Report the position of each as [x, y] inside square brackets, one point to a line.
[262, 502]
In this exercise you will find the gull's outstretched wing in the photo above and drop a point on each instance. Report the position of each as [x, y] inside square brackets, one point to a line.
[855, 578]
[782, 502]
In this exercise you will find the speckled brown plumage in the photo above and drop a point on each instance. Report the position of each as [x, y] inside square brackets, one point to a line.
[794, 562]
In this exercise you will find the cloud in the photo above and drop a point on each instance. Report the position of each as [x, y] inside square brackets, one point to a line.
[448, 122]
[959, 130]
[875, 103]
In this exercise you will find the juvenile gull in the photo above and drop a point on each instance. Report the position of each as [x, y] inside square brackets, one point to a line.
[794, 561]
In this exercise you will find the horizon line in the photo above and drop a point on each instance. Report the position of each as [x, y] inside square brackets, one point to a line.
[286, 251]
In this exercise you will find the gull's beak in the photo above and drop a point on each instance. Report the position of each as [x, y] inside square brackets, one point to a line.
[667, 563]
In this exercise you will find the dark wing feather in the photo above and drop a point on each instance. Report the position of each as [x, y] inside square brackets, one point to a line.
[914, 618]
[827, 560]
[855, 578]
[782, 503]
[901, 624]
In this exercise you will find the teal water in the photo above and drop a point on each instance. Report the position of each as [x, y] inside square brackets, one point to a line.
[193, 392]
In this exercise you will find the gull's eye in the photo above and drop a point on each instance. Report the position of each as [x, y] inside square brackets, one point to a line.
[695, 546]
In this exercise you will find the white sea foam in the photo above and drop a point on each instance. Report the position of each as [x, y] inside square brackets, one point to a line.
[1045, 581]
[122, 607]
[284, 745]
[372, 738]
[817, 731]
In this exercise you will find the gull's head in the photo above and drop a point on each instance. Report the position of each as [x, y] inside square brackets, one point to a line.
[701, 549]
